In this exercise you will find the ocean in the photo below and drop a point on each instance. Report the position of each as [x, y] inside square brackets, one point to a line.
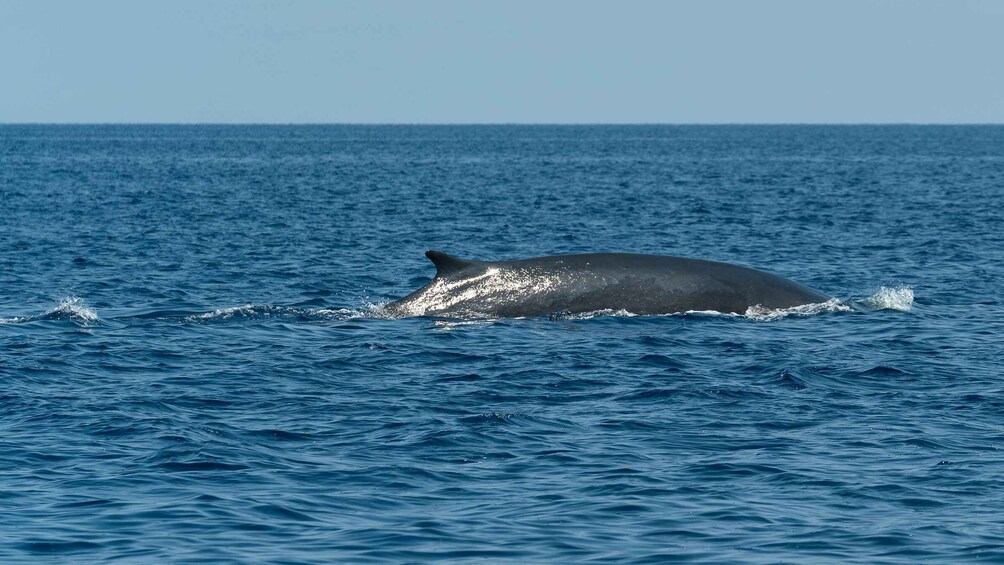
[195, 365]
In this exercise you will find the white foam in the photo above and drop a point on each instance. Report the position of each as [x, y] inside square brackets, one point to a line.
[447, 325]
[621, 313]
[75, 307]
[378, 310]
[259, 311]
[887, 298]
[706, 313]
[225, 313]
[757, 312]
[340, 313]
[760, 313]
[70, 308]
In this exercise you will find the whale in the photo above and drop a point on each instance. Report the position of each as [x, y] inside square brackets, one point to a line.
[596, 282]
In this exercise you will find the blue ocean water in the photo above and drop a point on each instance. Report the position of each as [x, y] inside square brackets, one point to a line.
[194, 366]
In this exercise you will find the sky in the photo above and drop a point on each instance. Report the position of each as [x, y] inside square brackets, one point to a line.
[511, 61]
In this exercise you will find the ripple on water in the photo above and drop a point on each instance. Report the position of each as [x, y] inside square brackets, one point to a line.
[196, 362]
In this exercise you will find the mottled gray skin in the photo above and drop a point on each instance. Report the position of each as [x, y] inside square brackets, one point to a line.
[639, 284]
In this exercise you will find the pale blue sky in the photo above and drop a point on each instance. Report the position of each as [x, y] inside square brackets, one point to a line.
[708, 61]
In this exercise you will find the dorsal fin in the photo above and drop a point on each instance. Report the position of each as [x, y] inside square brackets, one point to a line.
[445, 264]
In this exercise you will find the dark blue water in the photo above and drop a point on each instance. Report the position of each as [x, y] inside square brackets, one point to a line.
[194, 366]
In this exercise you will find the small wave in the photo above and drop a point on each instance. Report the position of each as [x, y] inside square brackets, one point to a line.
[69, 308]
[268, 312]
[378, 310]
[888, 298]
[73, 308]
[565, 316]
[245, 311]
[760, 313]
[460, 323]
[757, 312]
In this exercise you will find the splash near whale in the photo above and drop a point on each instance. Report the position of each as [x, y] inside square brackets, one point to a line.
[593, 282]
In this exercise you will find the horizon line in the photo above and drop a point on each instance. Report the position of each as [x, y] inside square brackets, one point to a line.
[546, 124]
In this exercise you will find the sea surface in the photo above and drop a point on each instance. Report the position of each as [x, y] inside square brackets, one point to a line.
[195, 366]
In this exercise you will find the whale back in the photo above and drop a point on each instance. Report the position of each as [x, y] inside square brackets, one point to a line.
[636, 283]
